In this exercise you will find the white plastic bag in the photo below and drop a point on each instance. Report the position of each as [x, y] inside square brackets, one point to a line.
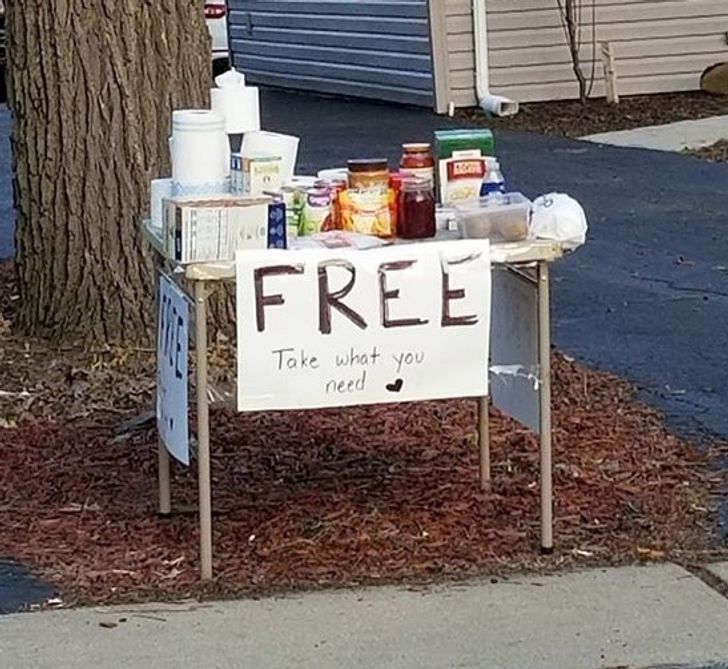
[559, 217]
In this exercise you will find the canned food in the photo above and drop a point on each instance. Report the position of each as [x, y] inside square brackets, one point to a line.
[317, 212]
[294, 199]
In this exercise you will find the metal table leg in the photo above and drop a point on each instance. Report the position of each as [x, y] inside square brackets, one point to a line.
[163, 466]
[544, 355]
[484, 442]
[203, 432]
[165, 495]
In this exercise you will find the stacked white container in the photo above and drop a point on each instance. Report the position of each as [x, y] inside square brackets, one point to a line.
[200, 154]
[161, 189]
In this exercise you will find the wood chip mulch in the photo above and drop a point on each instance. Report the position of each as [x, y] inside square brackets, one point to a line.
[364, 495]
[327, 498]
[569, 118]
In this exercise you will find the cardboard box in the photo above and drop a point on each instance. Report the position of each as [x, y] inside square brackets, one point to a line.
[277, 225]
[254, 176]
[461, 166]
[212, 229]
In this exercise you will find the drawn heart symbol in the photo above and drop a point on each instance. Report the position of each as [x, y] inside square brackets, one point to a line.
[395, 387]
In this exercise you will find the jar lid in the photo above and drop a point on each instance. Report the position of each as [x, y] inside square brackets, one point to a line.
[421, 147]
[197, 118]
[368, 165]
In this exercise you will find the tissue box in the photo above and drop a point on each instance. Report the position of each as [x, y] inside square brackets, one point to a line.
[256, 175]
[209, 230]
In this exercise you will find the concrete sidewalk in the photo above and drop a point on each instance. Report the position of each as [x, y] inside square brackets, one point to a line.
[692, 134]
[628, 617]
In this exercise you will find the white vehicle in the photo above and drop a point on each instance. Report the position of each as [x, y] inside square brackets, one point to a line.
[216, 15]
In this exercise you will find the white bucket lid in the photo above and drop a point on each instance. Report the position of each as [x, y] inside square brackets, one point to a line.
[198, 119]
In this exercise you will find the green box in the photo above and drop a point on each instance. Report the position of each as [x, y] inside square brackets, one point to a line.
[448, 142]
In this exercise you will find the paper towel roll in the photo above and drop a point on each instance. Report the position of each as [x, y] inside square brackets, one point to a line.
[227, 150]
[200, 153]
[239, 106]
[161, 189]
[262, 143]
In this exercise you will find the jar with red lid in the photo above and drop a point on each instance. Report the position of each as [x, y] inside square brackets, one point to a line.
[416, 209]
[417, 161]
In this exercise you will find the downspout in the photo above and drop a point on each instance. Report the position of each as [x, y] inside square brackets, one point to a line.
[493, 104]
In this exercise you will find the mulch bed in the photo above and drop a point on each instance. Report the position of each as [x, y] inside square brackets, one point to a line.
[717, 153]
[572, 119]
[328, 498]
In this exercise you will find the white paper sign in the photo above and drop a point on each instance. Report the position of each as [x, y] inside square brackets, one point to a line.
[172, 360]
[514, 355]
[329, 328]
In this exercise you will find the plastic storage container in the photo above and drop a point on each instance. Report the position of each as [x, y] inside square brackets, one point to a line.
[500, 217]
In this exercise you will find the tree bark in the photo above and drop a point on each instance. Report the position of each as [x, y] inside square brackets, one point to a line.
[92, 85]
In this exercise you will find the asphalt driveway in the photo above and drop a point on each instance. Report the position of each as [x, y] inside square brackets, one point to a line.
[646, 297]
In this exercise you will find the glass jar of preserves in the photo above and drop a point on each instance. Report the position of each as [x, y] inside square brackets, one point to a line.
[395, 186]
[416, 210]
[417, 161]
[368, 174]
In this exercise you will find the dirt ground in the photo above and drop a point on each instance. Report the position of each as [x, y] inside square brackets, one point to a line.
[328, 498]
[572, 119]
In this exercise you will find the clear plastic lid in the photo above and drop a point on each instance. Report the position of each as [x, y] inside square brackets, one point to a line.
[494, 200]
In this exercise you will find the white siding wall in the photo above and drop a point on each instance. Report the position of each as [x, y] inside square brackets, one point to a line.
[460, 51]
[660, 46]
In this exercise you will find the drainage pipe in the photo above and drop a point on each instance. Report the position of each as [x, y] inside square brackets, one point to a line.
[493, 104]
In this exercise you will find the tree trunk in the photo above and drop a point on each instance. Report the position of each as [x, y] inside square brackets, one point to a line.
[570, 14]
[92, 85]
